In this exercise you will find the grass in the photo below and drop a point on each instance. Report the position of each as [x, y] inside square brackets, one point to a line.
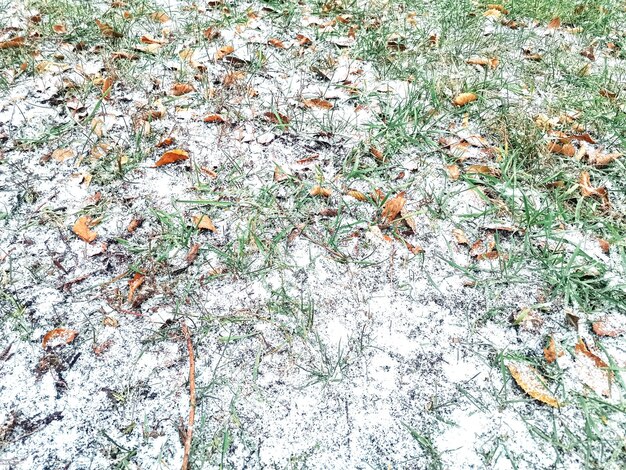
[263, 220]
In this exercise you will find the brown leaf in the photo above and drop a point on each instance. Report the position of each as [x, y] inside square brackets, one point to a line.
[581, 348]
[555, 23]
[358, 195]
[415, 249]
[317, 190]
[482, 170]
[329, 212]
[303, 40]
[59, 28]
[107, 30]
[19, 41]
[223, 52]
[134, 284]
[464, 98]
[58, 336]
[203, 222]
[492, 62]
[62, 154]
[317, 103]
[393, 206]
[233, 77]
[277, 43]
[459, 236]
[82, 228]
[179, 89]
[160, 16]
[172, 156]
[150, 40]
[134, 225]
[107, 85]
[592, 370]
[550, 351]
[600, 159]
[193, 253]
[214, 118]
[589, 191]
[210, 33]
[166, 142]
[377, 153]
[123, 55]
[608, 94]
[604, 245]
[277, 118]
[454, 172]
[498, 7]
[529, 380]
[611, 325]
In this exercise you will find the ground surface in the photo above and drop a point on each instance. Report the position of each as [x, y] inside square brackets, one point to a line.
[377, 270]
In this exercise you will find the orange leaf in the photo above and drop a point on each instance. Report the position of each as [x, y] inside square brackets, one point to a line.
[376, 153]
[453, 172]
[210, 33]
[13, 42]
[214, 118]
[611, 325]
[150, 40]
[392, 207]
[59, 28]
[223, 52]
[319, 191]
[107, 30]
[464, 98]
[232, 77]
[603, 159]
[107, 84]
[303, 40]
[134, 224]
[160, 16]
[555, 23]
[581, 348]
[550, 352]
[492, 62]
[277, 43]
[482, 170]
[358, 195]
[277, 118]
[82, 228]
[204, 222]
[318, 103]
[529, 380]
[589, 191]
[605, 246]
[172, 156]
[134, 284]
[179, 89]
[58, 336]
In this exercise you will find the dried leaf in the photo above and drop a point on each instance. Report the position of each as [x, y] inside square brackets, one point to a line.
[482, 170]
[610, 325]
[203, 222]
[377, 153]
[277, 43]
[107, 85]
[464, 98]
[589, 191]
[604, 245]
[393, 206]
[459, 236]
[317, 190]
[172, 156]
[277, 118]
[529, 380]
[318, 103]
[82, 228]
[166, 142]
[134, 225]
[150, 40]
[107, 30]
[62, 154]
[233, 77]
[223, 52]
[179, 89]
[19, 41]
[555, 23]
[303, 40]
[600, 159]
[214, 118]
[454, 172]
[160, 16]
[358, 195]
[550, 351]
[592, 370]
[134, 284]
[210, 33]
[408, 219]
[59, 28]
[492, 62]
[193, 253]
[57, 337]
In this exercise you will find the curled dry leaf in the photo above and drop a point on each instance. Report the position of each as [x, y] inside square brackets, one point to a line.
[482, 170]
[408, 219]
[592, 370]
[82, 228]
[377, 153]
[566, 149]
[600, 159]
[303, 40]
[549, 352]
[491, 62]
[589, 191]
[277, 118]
[498, 7]
[57, 337]
[454, 172]
[19, 41]
[531, 381]
[358, 195]
[214, 118]
[317, 190]
[166, 142]
[223, 52]
[317, 103]
[610, 325]
[150, 40]
[393, 206]
[134, 224]
[459, 236]
[179, 89]
[210, 33]
[555, 23]
[107, 30]
[134, 284]
[277, 43]
[59, 28]
[233, 77]
[159, 16]
[107, 85]
[172, 156]
[464, 98]
[204, 222]
[60, 155]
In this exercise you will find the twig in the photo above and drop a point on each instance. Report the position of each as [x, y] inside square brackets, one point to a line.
[192, 396]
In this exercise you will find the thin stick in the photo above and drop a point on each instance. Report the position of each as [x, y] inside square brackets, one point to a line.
[192, 396]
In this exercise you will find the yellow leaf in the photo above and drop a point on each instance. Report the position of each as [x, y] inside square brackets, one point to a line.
[319, 191]
[172, 156]
[529, 380]
[464, 98]
[204, 222]
[358, 195]
[82, 228]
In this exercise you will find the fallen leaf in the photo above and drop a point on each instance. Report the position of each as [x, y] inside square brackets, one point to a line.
[214, 118]
[172, 156]
[123, 55]
[317, 103]
[498, 7]
[203, 222]
[610, 325]
[454, 172]
[59, 28]
[592, 370]
[192, 254]
[408, 219]
[589, 191]
[317, 190]
[358, 195]
[393, 206]
[19, 41]
[600, 159]
[160, 16]
[459, 236]
[555, 23]
[588, 53]
[57, 337]
[607, 94]
[529, 380]
[62, 154]
[277, 43]
[303, 40]
[82, 228]
[415, 249]
[107, 85]
[166, 142]
[277, 118]
[233, 77]
[210, 33]
[492, 62]
[107, 30]
[604, 245]
[134, 284]
[148, 48]
[134, 225]
[482, 170]
[179, 89]
[550, 351]
[464, 98]
[377, 153]
[223, 52]
[150, 40]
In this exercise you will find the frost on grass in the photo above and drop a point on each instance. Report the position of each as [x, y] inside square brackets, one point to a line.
[374, 220]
